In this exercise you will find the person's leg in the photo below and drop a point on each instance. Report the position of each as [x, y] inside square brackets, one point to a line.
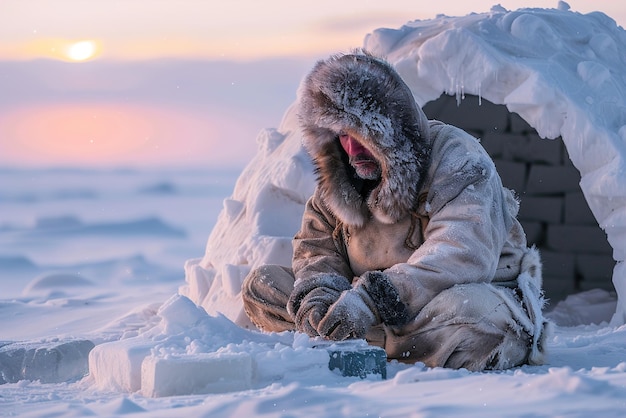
[265, 292]
[467, 326]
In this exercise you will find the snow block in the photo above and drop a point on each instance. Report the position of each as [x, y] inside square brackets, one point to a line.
[577, 239]
[577, 210]
[557, 264]
[546, 179]
[116, 365]
[50, 362]
[596, 268]
[358, 362]
[534, 231]
[541, 209]
[200, 374]
[513, 174]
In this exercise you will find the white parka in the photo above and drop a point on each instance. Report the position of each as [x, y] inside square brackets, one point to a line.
[439, 216]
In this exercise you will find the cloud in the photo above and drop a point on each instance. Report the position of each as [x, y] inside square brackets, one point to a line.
[172, 81]
[140, 113]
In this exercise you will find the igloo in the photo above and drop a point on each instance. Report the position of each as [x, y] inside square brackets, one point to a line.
[562, 72]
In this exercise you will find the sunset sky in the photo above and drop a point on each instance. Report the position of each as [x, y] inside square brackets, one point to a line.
[170, 82]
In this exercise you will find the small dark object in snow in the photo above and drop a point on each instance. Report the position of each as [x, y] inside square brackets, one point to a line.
[359, 361]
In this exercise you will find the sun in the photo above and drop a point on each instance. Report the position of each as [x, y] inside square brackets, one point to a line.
[81, 51]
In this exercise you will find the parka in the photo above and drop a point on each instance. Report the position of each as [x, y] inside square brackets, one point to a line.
[438, 217]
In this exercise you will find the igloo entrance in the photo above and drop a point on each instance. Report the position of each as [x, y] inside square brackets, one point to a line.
[555, 215]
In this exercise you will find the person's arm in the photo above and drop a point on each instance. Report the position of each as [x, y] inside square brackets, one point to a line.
[320, 267]
[466, 231]
[316, 252]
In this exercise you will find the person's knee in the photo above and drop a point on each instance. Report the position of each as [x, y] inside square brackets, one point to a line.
[467, 326]
[265, 292]
[468, 302]
[256, 280]
[267, 281]
[251, 282]
[492, 338]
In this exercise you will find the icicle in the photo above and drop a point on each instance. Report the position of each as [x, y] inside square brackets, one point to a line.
[458, 89]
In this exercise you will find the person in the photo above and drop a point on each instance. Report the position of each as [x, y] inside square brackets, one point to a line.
[409, 240]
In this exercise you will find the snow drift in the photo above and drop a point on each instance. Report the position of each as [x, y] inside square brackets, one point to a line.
[563, 72]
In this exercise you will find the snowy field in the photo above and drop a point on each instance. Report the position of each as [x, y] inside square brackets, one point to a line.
[93, 260]
[96, 254]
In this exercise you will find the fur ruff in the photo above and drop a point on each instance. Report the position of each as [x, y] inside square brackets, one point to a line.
[364, 96]
[528, 314]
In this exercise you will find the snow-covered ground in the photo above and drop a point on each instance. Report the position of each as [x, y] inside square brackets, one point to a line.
[98, 256]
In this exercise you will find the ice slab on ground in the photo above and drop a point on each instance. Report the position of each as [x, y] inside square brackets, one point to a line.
[117, 365]
[191, 352]
[47, 362]
[203, 373]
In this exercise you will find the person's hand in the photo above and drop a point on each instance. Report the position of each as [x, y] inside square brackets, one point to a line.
[311, 298]
[386, 299]
[313, 308]
[349, 317]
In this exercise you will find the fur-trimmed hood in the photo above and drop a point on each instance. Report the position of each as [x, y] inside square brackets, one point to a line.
[364, 96]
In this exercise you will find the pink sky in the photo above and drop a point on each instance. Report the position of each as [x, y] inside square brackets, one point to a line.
[92, 114]
[103, 134]
[236, 29]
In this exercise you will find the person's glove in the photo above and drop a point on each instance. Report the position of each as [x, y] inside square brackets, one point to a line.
[311, 299]
[350, 317]
[328, 305]
[385, 297]
[372, 300]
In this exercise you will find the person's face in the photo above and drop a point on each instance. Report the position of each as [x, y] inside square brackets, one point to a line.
[360, 158]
